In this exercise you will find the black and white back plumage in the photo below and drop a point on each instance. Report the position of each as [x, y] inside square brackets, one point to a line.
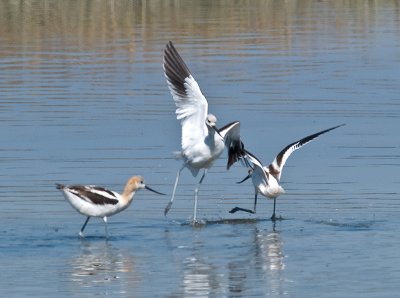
[92, 194]
[96, 201]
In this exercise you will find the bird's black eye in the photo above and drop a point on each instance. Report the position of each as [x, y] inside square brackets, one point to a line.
[141, 182]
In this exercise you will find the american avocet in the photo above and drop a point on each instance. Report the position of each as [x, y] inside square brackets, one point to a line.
[202, 142]
[266, 178]
[98, 201]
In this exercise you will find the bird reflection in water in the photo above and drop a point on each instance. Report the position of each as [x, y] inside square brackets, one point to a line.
[253, 266]
[200, 278]
[101, 263]
[269, 257]
[264, 265]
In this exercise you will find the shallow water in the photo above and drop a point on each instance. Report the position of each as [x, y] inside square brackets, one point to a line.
[83, 100]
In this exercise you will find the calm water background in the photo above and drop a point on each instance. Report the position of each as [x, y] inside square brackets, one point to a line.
[83, 100]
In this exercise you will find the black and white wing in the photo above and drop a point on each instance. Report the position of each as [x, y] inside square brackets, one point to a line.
[191, 105]
[231, 135]
[92, 194]
[275, 168]
[259, 175]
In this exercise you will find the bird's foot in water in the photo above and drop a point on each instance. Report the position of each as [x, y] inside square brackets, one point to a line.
[167, 208]
[275, 218]
[198, 223]
[236, 209]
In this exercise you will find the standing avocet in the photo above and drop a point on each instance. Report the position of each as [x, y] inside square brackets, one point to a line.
[98, 201]
[202, 142]
[266, 178]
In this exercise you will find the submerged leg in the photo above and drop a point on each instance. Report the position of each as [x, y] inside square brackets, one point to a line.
[246, 210]
[255, 202]
[83, 227]
[173, 192]
[273, 217]
[196, 190]
[105, 224]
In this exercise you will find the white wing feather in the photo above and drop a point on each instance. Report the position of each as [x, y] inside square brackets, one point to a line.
[258, 169]
[191, 105]
[192, 111]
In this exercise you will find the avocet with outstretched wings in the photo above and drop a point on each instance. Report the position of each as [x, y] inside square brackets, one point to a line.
[266, 178]
[202, 142]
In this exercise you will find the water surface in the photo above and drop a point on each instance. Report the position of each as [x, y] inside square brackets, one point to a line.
[83, 100]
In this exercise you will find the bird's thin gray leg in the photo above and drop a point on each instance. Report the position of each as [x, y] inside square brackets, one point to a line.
[105, 224]
[196, 190]
[255, 202]
[173, 192]
[83, 227]
[273, 217]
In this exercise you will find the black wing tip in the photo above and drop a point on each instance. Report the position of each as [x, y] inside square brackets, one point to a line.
[327, 130]
[170, 44]
[337, 126]
[172, 56]
[236, 149]
[232, 124]
[175, 69]
[169, 49]
[309, 138]
[60, 186]
[236, 152]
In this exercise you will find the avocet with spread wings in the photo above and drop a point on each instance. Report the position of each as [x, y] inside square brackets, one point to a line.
[202, 141]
